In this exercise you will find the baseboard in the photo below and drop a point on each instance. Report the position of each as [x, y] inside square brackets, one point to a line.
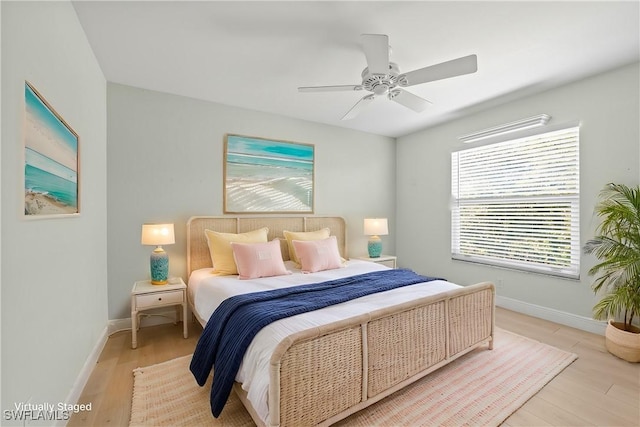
[157, 317]
[557, 316]
[85, 372]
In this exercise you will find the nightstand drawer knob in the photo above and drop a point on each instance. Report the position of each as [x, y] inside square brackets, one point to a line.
[159, 299]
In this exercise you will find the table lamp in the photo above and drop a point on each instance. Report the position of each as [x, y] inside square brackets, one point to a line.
[158, 235]
[375, 227]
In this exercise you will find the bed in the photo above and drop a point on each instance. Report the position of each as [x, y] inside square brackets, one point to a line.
[314, 371]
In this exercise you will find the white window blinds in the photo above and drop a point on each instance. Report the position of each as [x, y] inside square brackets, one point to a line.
[516, 203]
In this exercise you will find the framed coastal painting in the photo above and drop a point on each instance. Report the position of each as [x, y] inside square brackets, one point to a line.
[267, 176]
[51, 165]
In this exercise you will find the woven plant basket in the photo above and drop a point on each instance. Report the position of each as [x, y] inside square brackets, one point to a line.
[625, 345]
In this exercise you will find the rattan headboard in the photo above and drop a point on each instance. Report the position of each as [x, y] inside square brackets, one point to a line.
[198, 250]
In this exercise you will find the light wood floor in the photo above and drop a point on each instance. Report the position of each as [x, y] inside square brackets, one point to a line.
[598, 389]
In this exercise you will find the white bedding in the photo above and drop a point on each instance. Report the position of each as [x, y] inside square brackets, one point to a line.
[207, 291]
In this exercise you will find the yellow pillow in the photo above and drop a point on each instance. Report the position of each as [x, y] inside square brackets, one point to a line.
[221, 252]
[303, 235]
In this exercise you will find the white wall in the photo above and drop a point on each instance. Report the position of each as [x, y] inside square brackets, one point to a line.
[54, 275]
[165, 164]
[608, 107]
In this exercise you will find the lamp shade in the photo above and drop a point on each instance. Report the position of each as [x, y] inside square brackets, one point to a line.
[157, 234]
[376, 227]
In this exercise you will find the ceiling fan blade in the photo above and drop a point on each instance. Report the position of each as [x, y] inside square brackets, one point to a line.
[360, 105]
[339, 88]
[376, 49]
[409, 100]
[444, 70]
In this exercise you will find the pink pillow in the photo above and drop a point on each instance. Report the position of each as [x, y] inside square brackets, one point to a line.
[318, 255]
[256, 260]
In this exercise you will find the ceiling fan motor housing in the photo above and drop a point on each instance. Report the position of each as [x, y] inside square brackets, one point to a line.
[383, 83]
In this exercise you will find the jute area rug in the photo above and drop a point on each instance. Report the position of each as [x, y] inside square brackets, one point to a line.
[481, 388]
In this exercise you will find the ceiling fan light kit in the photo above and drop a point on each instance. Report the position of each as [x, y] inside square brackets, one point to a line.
[382, 77]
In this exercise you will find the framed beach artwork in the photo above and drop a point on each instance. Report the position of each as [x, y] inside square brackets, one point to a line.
[264, 175]
[51, 161]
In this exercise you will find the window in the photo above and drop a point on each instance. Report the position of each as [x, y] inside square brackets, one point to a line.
[516, 204]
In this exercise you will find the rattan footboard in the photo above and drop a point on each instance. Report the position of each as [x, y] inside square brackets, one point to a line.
[322, 375]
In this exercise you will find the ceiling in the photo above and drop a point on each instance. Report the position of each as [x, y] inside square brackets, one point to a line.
[256, 54]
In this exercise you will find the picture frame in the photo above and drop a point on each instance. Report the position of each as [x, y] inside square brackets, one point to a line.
[51, 160]
[267, 176]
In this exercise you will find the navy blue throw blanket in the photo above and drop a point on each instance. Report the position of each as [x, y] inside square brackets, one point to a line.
[238, 319]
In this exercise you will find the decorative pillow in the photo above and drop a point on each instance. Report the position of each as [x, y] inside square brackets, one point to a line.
[304, 236]
[318, 255]
[220, 248]
[256, 260]
[284, 248]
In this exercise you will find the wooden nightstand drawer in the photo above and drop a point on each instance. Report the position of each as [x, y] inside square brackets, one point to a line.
[159, 299]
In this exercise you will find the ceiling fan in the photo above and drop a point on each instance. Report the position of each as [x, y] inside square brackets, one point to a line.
[382, 77]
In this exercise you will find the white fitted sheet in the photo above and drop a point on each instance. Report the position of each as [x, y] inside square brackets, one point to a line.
[207, 292]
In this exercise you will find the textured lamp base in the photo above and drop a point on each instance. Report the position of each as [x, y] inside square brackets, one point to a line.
[159, 266]
[375, 247]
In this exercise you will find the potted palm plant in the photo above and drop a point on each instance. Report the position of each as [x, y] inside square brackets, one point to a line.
[617, 247]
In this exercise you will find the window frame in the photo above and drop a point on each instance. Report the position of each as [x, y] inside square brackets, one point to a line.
[569, 214]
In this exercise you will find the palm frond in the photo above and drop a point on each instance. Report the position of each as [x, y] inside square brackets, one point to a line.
[617, 247]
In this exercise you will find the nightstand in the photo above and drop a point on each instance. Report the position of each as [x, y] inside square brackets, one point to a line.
[388, 260]
[145, 296]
